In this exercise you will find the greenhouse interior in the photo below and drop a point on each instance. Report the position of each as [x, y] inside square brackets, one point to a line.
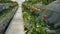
[29, 16]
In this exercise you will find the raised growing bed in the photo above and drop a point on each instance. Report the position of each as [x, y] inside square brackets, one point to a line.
[33, 22]
[3, 6]
[5, 16]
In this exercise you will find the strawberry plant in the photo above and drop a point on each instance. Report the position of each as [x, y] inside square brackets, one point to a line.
[33, 22]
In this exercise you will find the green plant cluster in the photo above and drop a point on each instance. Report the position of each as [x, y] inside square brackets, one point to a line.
[36, 1]
[7, 1]
[33, 25]
[4, 12]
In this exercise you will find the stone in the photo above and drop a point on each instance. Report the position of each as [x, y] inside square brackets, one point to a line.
[53, 15]
[54, 8]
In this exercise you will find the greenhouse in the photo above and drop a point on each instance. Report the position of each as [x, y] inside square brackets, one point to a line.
[29, 16]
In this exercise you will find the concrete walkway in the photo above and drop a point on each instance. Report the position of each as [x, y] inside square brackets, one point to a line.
[16, 25]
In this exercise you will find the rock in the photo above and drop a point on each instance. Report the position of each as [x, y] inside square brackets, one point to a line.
[53, 15]
[54, 8]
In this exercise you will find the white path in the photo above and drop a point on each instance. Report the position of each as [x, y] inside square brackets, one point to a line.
[16, 25]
